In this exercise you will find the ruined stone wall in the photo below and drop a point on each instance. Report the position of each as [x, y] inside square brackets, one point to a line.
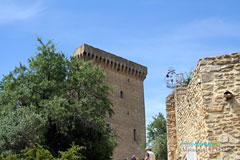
[171, 126]
[202, 112]
[126, 78]
[222, 74]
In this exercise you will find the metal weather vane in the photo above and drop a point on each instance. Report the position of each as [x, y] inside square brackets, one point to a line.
[173, 79]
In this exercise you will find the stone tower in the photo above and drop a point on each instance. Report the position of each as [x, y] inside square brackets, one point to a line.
[126, 77]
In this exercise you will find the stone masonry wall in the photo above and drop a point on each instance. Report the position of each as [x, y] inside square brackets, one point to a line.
[126, 78]
[129, 115]
[171, 126]
[204, 114]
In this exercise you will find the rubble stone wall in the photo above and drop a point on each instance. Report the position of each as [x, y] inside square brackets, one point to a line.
[203, 113]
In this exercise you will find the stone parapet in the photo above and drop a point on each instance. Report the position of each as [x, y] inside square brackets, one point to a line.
[111, 61]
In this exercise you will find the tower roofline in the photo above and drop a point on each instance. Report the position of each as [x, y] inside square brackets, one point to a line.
[110, 60]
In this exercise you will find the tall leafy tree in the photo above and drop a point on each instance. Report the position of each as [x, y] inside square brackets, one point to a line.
[55, 101]
[157, 136]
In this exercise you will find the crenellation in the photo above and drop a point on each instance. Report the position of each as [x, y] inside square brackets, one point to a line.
[111, 61]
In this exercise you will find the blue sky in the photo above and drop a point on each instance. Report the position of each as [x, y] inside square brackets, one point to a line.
[155, 33]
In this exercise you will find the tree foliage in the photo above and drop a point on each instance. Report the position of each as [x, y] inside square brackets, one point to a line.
[188, 76]
[55, 101]
[157, 136]
[37, 152]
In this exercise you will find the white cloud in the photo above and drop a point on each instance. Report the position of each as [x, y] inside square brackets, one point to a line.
[11, 11]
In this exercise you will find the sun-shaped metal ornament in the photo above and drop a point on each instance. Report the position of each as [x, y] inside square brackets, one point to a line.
[173, 79]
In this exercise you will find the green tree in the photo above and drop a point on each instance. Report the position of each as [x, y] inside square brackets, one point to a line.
[54, 102]
[157, 136]
[37, 152]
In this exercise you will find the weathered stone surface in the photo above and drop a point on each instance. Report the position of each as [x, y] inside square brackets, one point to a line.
[215, 109]
[237, 67]
[228, 157]
[207, 77]
[237, 158]
[220, 116]
[224, 61]
[235, 141]
[224, 138]
[208, 69]
[228, 128]
[128, 99]
[207, 87]
[236, 135]
[218, 132]
[227, 148]
[202, 113]
[227, 66]
[235, 60]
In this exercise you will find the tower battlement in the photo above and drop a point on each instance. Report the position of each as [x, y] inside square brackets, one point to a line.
[110, 61]
[126, 78]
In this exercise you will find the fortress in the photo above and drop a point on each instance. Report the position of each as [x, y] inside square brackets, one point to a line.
[126, 77]
[207, 110]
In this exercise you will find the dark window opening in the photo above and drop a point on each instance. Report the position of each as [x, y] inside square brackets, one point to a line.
[121, 94]
[128, 80]
[128, 112]
[134, 134]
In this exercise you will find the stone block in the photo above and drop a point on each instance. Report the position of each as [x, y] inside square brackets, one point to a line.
[236, 135]
[237, 157]
[227, 66]
[237, 67]
[234, 141]
[220, 116]
[228, 128]
[218, 132]
[208, 87]
[227, 148]
[223, 61]
[215, 109]
[207, 77]
[224, 138]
